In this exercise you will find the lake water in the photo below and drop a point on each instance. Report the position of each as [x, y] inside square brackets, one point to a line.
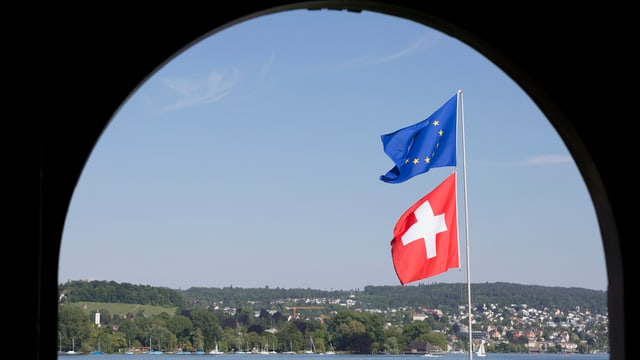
[490, 356]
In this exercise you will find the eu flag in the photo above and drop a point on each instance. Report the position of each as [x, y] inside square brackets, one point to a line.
[417, 148]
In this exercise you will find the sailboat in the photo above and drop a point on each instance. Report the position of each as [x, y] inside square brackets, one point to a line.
[481, 352]
[216, 351]
[129, 350]
[73, 348]
[312, 350]
[332, 351]
[264, 350]
[199, 349]
[60, 352]
[290, 352]
[98, 351]
[153, 352]
[239, 350]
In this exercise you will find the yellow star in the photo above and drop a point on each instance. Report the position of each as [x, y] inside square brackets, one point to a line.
[436, 122]
[427, 159]
[440, 132]
[415, 161]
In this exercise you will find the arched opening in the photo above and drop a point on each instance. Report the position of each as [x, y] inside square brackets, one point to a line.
[560, 112]
[248, 124]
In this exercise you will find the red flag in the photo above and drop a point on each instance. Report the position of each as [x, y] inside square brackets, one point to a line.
[425, 239]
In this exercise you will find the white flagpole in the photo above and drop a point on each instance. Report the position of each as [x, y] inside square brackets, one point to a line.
[466, 221]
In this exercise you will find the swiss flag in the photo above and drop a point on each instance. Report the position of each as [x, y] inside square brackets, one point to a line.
[425, 238]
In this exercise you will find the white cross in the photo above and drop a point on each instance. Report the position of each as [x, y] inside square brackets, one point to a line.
[426, 227]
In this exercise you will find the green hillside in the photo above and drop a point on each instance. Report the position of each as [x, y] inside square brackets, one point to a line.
[120, 309]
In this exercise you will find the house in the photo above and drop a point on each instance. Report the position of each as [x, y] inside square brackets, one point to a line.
[421, 347]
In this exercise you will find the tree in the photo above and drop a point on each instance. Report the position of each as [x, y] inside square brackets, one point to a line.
[361, 343]
[255, 328]
[290, 337]
[415, 330]
[207, 322]
[229, 323]
[182, 327]
[436, 339]
[393, 338]
[244, 315]
[73, 325]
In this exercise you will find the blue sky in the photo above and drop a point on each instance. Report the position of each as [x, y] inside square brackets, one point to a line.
[253, 159]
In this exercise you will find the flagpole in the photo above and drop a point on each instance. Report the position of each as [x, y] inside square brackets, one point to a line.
[466, 221]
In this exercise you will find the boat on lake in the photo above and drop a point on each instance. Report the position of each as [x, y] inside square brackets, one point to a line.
[481, 351]
[73, 348]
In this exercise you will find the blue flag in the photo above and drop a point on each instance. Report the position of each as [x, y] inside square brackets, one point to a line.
[417, 148]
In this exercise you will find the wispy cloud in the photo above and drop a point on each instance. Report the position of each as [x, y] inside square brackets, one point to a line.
[539, 160]
[266, 66]
[548, 159]
[411, 49]
[215, 86]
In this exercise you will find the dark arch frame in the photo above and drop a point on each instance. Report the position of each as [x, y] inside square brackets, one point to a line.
[99, 53]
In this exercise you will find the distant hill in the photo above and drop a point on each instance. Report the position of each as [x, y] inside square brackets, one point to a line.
[451, 295]
[446, 297]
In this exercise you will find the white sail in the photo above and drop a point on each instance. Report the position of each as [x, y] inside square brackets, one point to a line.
[481, 351]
